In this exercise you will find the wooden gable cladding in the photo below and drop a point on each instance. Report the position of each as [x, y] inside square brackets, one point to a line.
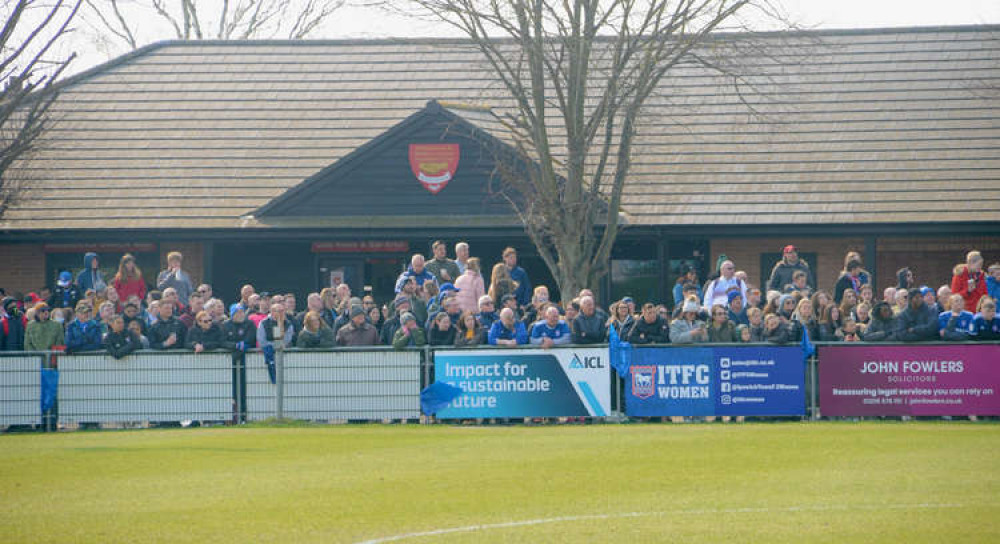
[378, 179]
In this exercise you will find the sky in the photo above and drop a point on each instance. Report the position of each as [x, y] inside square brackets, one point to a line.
[356, 22]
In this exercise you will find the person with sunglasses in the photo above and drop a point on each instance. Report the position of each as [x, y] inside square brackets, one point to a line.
[42, 332]
[205, 335]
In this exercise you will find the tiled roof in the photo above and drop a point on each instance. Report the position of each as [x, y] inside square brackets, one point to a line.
[895, 125]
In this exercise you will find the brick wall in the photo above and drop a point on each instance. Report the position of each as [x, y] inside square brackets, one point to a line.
[931, 259]
[194, 258]
[745, 254]
[22, 267]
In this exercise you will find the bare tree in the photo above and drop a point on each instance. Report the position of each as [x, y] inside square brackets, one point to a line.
[29, 68]
[578, 75]
[134, 23]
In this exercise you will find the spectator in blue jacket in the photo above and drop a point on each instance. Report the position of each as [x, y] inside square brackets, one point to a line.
[487, 312]
[83, 333]
[523, 291]
[90, 277]
[417, 271]
[955, 324]
[993, 281]
[986, 326]
[507, 331]
[551, 331]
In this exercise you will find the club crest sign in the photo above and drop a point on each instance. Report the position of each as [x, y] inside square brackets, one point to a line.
[434, 165]
[643, 380]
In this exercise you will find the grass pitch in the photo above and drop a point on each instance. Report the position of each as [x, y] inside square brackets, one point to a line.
[788, 482]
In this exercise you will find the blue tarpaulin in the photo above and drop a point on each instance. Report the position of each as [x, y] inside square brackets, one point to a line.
[50, 388]
[437, 396]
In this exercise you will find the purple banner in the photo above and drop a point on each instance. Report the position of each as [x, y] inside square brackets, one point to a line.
[913, 380]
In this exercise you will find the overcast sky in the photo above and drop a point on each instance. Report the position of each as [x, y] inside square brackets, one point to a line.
[371, 23]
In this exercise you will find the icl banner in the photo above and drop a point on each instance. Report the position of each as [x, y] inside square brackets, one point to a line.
[526, 382]
[914, 380]
[726, 381]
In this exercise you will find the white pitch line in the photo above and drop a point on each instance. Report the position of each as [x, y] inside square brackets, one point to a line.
[699, 511]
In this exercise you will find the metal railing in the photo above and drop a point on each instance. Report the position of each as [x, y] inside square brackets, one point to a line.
[343, 384]
[347, 384]
[20, 388]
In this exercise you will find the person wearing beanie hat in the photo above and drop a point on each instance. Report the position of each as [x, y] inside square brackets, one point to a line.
[409, 333]
[12, 326]
[42, 333]
[737, 309]
[687, 328]
[930, 299]
[784, 270]
[400, 305]
[358, 331]
[66, 294]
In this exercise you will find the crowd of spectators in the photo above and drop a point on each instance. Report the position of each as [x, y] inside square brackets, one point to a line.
[446, 302]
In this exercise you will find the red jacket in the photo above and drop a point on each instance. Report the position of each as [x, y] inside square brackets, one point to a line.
[960, 286]
[131, 287]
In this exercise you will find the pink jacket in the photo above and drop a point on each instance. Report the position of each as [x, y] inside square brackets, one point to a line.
[471, 287]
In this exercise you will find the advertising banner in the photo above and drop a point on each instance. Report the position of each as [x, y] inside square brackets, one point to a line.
[707, 381]
[915, 380]
[526, 382]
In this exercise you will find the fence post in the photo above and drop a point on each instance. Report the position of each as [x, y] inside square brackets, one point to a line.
[428, 354]
[619, 412]
[279, 362]
[814, 405]
[239, 386]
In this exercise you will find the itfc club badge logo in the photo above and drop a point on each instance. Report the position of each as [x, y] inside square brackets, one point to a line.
[434, 164]
[643, 378]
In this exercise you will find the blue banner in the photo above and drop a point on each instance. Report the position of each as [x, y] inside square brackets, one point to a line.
[707, 381]
[525, 382]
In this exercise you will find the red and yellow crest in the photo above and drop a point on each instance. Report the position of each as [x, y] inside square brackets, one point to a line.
[434, 165]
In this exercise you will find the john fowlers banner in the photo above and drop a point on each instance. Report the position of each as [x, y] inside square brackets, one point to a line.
[738, 381]
[525, 383]
[872, 380]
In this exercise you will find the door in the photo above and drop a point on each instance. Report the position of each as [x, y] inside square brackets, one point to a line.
[336, 270]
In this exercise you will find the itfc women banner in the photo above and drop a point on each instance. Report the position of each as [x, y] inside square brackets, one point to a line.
[910, 380]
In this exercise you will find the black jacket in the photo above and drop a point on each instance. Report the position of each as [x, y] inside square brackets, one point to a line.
[234, 333]
[657, 332]
[64, 297]
[782, 334]
[781, 274]
[389, 329]
[161, 330]
[590, 330]
[880, 330]
[916, 325]
[843, 283]
[120, 344]
[211, 339]
[437, 337]
[321, 339]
